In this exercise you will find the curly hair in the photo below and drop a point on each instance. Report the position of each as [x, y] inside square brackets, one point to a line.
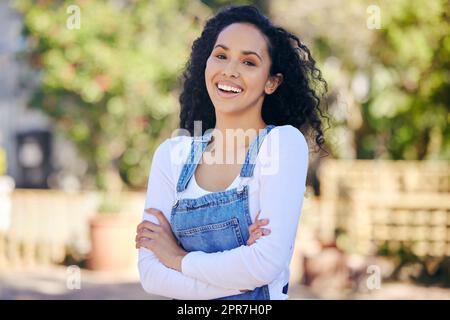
[296, 101]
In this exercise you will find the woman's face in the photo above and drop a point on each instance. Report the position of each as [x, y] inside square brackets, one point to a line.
[237, 71]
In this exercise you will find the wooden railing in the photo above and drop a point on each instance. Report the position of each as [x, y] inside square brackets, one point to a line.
[387, 201]
[47, 225]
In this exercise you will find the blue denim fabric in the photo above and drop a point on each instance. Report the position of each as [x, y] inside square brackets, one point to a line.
[216, 221]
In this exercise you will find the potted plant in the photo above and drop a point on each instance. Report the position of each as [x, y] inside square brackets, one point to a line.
[112, 235]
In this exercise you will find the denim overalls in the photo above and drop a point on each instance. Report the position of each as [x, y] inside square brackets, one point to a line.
[217, 221]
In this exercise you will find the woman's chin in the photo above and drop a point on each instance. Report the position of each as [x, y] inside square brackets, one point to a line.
[227, 108]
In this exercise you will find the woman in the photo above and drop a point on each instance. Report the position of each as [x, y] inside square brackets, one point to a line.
[197, 240]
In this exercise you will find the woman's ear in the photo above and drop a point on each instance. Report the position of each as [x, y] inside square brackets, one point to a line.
[272, 83]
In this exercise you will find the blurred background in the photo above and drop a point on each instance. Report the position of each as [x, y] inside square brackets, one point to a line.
[89, 89]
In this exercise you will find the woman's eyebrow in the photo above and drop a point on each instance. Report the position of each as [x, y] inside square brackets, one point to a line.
[246, 52]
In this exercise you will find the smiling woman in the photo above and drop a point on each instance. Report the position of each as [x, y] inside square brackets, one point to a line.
[202, 237]
[234, 71]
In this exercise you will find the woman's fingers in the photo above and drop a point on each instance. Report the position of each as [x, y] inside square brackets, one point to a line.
[258, 233]
[160, 216]
[144, 243]
[252, 227]
[252, 239]
[148, 225]
[261, 232]
[145, 234]
[263, 222]
[260, 222]
[257, 224]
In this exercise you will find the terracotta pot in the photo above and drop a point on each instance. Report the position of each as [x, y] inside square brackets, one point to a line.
[112, 240]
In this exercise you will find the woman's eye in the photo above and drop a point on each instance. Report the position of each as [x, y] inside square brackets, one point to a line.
[248, 63]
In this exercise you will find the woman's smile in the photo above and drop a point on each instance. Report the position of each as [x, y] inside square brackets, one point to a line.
[227, 91]
[237, 69]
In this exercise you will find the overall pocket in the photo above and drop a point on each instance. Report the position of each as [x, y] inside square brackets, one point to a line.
[212, 237]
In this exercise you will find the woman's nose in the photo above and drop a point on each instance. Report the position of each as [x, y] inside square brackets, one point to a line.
[230, 70]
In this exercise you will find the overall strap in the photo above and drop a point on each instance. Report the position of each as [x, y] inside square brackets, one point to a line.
[250, 159]
[198, 146]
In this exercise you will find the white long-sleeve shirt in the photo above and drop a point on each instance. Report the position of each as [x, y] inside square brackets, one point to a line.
[276, 188]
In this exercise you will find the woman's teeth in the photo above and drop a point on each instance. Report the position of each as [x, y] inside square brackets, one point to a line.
[229, 89]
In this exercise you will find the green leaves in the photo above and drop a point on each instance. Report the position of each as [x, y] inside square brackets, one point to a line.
[407, 86]
[111, 84]
[3, 166]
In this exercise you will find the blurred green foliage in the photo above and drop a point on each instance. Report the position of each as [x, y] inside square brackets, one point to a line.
[410, 75]
[111, 85]
[3, 166]
[109, 204]
[406, 62]
[389, 87]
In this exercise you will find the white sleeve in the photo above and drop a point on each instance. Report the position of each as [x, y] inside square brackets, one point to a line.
[155, 277]
[281, 198]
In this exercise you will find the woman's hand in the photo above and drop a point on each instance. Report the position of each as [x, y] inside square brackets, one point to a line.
[160, 240]
[256, 231]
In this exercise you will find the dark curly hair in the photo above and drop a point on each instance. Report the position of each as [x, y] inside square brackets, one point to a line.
[296, 101]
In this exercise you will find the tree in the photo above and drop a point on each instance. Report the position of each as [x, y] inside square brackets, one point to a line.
[111, 84]
[389, 87]
[410, 94]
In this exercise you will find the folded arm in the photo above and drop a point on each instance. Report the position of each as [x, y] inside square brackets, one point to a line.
[155, 277]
